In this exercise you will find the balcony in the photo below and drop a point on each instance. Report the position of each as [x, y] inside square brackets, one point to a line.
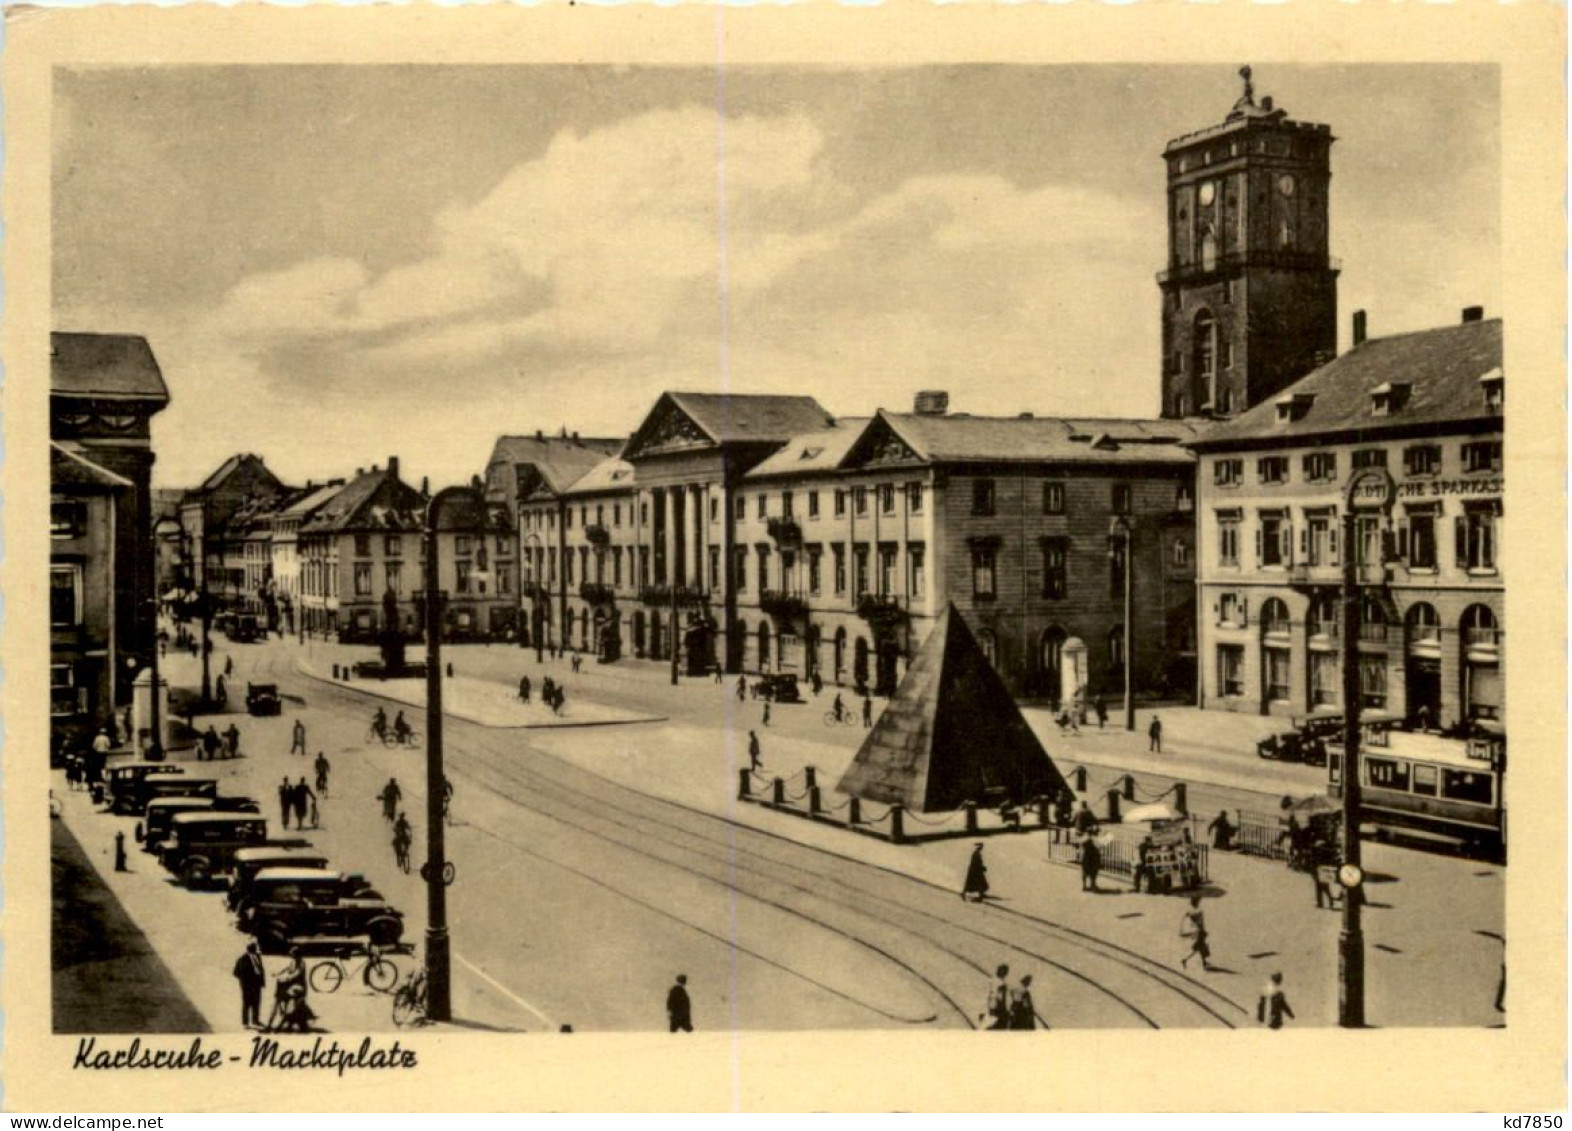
[1483, 638]
[594, 593]
[662, 596]
[1373, 632]
[597, 535]
[784, 530]
[878, 609]
[1225, 264]
[783, 605]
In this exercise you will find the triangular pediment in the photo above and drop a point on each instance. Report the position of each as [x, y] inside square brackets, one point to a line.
[667, 429]
[881, 445]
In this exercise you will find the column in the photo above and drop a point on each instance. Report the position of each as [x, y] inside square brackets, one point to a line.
[696, 505]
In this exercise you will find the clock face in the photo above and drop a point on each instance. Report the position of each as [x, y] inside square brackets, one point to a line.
[1350, 875]
[1208, 192]
[1285, 185]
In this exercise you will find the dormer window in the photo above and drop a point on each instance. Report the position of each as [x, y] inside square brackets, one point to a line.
[1293, 406]
[1389, 397]
[1494, 386]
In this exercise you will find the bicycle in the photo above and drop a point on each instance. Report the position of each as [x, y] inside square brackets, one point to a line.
[377, 972]
[409, 1001]
[846, 719]
[411, 740]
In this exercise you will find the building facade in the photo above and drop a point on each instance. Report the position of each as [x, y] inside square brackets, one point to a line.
[1428, 407]
[243, 485]
[284, 548]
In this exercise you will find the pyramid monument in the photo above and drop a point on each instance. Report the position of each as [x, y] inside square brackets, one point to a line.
[951, 734]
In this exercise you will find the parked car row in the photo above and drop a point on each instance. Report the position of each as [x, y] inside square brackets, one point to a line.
[282, 891]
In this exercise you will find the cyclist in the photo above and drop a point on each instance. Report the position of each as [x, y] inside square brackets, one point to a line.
[379, 725]
[401, 729]
[838, 708]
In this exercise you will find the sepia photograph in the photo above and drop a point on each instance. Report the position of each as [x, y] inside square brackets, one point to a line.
[799, 548]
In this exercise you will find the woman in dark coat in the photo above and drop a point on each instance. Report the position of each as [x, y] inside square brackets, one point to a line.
[1091, 864]
[976, 876]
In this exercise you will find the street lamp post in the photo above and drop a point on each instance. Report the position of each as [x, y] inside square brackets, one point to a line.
[672, 643]
[1126, 536]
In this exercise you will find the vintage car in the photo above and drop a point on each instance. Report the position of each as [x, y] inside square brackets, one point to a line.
[134, 799]
[122, 779]
[262, 699]
[273, 854]
[242, 628]
[779, 689]
[158, 818]
[202, 845]
[286, 904]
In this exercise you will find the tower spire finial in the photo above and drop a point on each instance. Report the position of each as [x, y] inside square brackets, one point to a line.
[1249, 87]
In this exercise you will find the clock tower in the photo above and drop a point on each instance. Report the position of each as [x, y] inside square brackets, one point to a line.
[1250, 293]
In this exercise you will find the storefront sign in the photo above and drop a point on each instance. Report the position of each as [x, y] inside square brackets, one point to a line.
[1439, 488]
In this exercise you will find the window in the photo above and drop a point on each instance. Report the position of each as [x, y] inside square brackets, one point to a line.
[1230, 611]
[886, 498]
[1320, 538]
[813, 504]
[1476, 537]
[1425, 780]
[463, 544]
[1466, 785]
[1372, 681]
[1320, 467]
[1117, 548]
[861, 566]
[887, 566]
[362, 579]
[714, 555]
[1417, 540]
[786, 504]
[393, 578]
[362, 545]
[859, 501]
[840, 567]
[1274, 618]
[1228, 540]
[1276, 661]
[67, 520]
[1053, 498]
[1121, 498]
[1369, 457]
[714, 510]
[764, 566]
[982, 497]
[1227, 472]
[567, 569]
[1367, 533]
[505, 578]
[65, 698]
[983, 571]
[741, 567]
[644, 565]
[1179, 554]
[1271, 545]
[616, 513]
[1272, 469]
[1483, 455]
[392, 546]
[1321, 619]
[1422, 459]
[65, 596]
[914, 498]
[1386, 773]
[1116, 648]
[616, 567]
[1230, 670]
[840, 502]
[916, 577]
[1324, 679]
[763, 507]
[815, 559]
[1056, 578]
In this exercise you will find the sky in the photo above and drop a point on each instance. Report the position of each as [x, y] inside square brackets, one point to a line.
[338, 264]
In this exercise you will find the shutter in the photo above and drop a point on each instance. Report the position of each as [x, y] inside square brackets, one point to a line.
[1286, 543]
[1307, 467]
[1402, 539]
[1304, 542]
[1259, 556]
[1332, 541]
[1388, 546]
[1244, 611]
[1460, 541]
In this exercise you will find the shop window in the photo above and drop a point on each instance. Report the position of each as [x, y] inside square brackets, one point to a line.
[1230, 670]
[1372, 682]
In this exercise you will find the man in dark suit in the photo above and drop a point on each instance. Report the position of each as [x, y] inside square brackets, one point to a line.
[678, 1008]
[252, 976]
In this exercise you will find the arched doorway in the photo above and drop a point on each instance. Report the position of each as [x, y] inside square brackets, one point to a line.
[1422, 664]
[1275, 653]
[860, 663]
[840, 655]
[764, 645]
[1481, 632]
[1050, 661]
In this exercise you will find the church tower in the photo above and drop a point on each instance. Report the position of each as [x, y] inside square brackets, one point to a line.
[1250, 293]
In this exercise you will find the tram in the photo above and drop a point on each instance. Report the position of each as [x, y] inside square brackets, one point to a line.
[1435, 789]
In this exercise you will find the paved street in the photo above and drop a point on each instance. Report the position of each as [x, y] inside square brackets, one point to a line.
[594, 864]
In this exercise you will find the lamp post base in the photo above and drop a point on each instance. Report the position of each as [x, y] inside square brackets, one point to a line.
[1351, 977]
[439, 989]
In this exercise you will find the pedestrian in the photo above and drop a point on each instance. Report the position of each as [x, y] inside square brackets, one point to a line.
[252, 976]
[232, 741]
[559, 702]
[837, 708]
[1064, 808]
[742, 688]
[1222, 831]
[221, 692]
[390, 796]
[524, 689]
[755, 762]
[102, 745]
[1085, 821]
[867, 710]
[818, 684]
[304, 799]
[1154, 734]
[1101, 707]
[291, 1010]
[766, 712]
[719, 676]
[73, 773]
[998, 1011]
[1143, 867]
[323, 768]
[1023, 1014]
[679, 1010]
[229, 665]
[1091, 863]
[1193, 927]
[976, 881]
[120, 850]
[1323, 874]
[286, 801]
[1273, 1006]
[298, 743]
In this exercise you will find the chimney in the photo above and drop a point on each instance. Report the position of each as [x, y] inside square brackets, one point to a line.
[1024, 416]
[425, 485]
[1473, 314]
[931, 402]
[392, 467]
[575, 437]
[359, 471]
[564, 432]
[540, 436]
[1266, 103]
[1359, 328]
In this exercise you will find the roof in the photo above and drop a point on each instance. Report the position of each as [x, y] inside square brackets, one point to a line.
[1442, 368]
[731, 417]
[560, 460]
[276, 852]
[959, 438]
[614, 474]
[313, 498]
[460, 513]
[373, 500]
[952, 733]
[112, 366]
[215, 818]
[69, 469]
[813, 451]
[287, 874]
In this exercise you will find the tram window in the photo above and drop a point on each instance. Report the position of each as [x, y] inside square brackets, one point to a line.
[1384, 773]
[1334, 766]
[1425, 780]
[1465, 785]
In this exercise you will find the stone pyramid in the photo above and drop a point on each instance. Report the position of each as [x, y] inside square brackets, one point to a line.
[951, 734]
